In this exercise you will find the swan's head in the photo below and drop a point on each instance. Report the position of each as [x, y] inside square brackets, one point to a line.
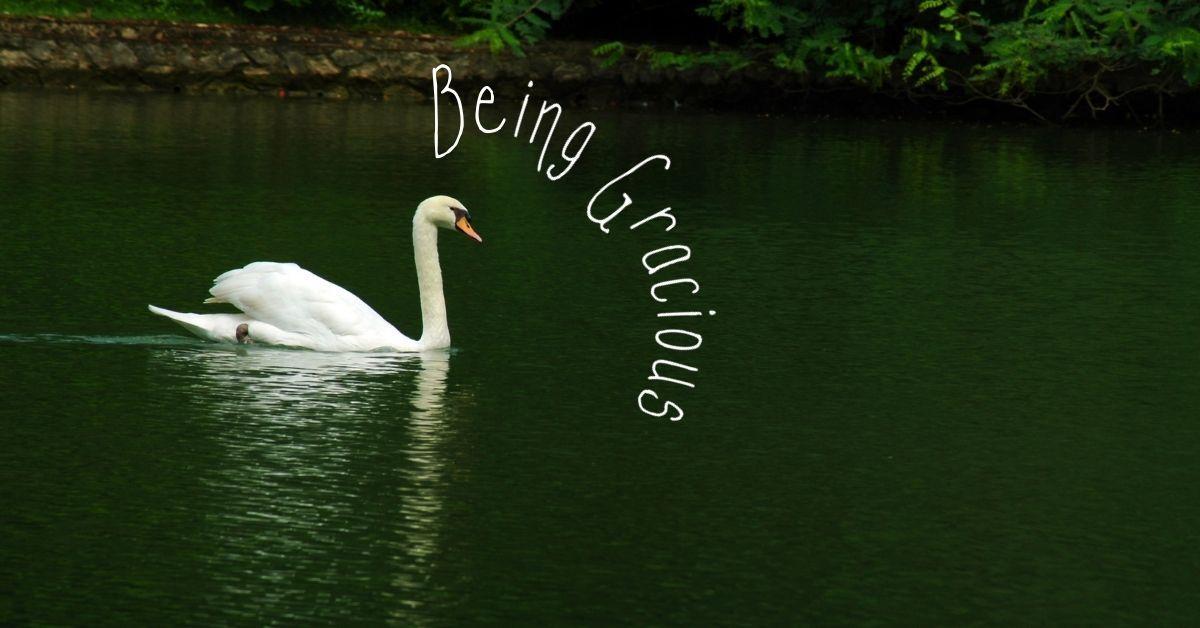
[446, 213]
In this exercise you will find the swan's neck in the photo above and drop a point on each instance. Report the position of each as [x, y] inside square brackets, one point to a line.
[435, 331]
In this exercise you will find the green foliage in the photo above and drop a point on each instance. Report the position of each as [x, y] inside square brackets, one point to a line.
[1005, 50]
[335, 11]
[173, 10]
[506, 24]
[612, 53]
[728, 60]
[1179, 46]
[855, 63]
[1010, 51]
[323, 12]
[761, 17]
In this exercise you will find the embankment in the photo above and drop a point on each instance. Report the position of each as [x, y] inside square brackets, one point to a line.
[341, 64]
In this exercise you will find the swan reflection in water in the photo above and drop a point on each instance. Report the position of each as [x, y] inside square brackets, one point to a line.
[329, 467]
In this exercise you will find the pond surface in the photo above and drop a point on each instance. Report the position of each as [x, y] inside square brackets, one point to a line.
[952, 376]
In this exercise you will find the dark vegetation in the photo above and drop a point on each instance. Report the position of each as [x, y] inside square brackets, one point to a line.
[1051, 59]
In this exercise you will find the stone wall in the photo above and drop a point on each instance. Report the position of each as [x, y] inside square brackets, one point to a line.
[338, 64]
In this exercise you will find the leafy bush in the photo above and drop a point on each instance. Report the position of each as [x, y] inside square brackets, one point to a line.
[1009, 51]
[509, 23]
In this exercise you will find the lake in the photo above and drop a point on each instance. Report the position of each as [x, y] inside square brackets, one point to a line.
[951, 376]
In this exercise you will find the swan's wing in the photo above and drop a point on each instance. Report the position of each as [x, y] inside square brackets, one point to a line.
[296, 300]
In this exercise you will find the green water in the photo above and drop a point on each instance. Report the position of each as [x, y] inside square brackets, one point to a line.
[952, 376]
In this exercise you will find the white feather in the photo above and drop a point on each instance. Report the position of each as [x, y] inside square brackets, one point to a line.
[284, 304]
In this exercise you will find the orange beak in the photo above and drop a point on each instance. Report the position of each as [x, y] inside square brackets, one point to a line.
[463, 225]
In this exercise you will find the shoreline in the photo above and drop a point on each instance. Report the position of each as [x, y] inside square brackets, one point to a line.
[141, 56]
[151, 56]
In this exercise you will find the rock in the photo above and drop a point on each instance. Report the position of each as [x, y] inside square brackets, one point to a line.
[42, 50]
[68, 57]
[259, 76]
[183, 58]
[391, 67]
[323, 67]
[417, 65]
[540, 67]
[296, 62]
[209, 64]
[337, 92]
[154, 54]
[263, 56]
[115, 56]
[365, 72]
[98, 56]
[16, 60]
[403, 94]
[232, 58]
[347, 58]
[487, 69]
[328, 64]
[397, 69]
[570, 72]
[159, 75]
[122, 56]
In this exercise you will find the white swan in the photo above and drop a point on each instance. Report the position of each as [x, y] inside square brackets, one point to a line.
[285, 305]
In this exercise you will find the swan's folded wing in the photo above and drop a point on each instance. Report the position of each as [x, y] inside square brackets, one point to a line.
[296, 300]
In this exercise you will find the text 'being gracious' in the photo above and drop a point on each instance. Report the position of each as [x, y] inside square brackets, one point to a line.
[667, 377]
[546, 121]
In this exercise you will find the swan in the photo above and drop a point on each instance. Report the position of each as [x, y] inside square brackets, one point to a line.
[285, 305]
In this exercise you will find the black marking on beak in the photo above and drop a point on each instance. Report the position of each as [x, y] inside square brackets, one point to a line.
[462, 223]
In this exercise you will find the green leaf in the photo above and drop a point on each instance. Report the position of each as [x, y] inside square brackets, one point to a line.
[612, 52]
[537, 21]
[1078, 24]
[1055, 13]
[506, 37]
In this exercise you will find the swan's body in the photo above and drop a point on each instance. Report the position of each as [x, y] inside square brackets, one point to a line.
[285, 305]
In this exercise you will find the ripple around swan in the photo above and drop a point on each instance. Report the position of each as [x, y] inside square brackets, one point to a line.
[83, 339]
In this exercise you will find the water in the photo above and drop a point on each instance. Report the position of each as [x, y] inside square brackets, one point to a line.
[951, 376]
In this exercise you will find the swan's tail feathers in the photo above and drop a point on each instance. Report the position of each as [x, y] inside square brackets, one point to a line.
[215, 327]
